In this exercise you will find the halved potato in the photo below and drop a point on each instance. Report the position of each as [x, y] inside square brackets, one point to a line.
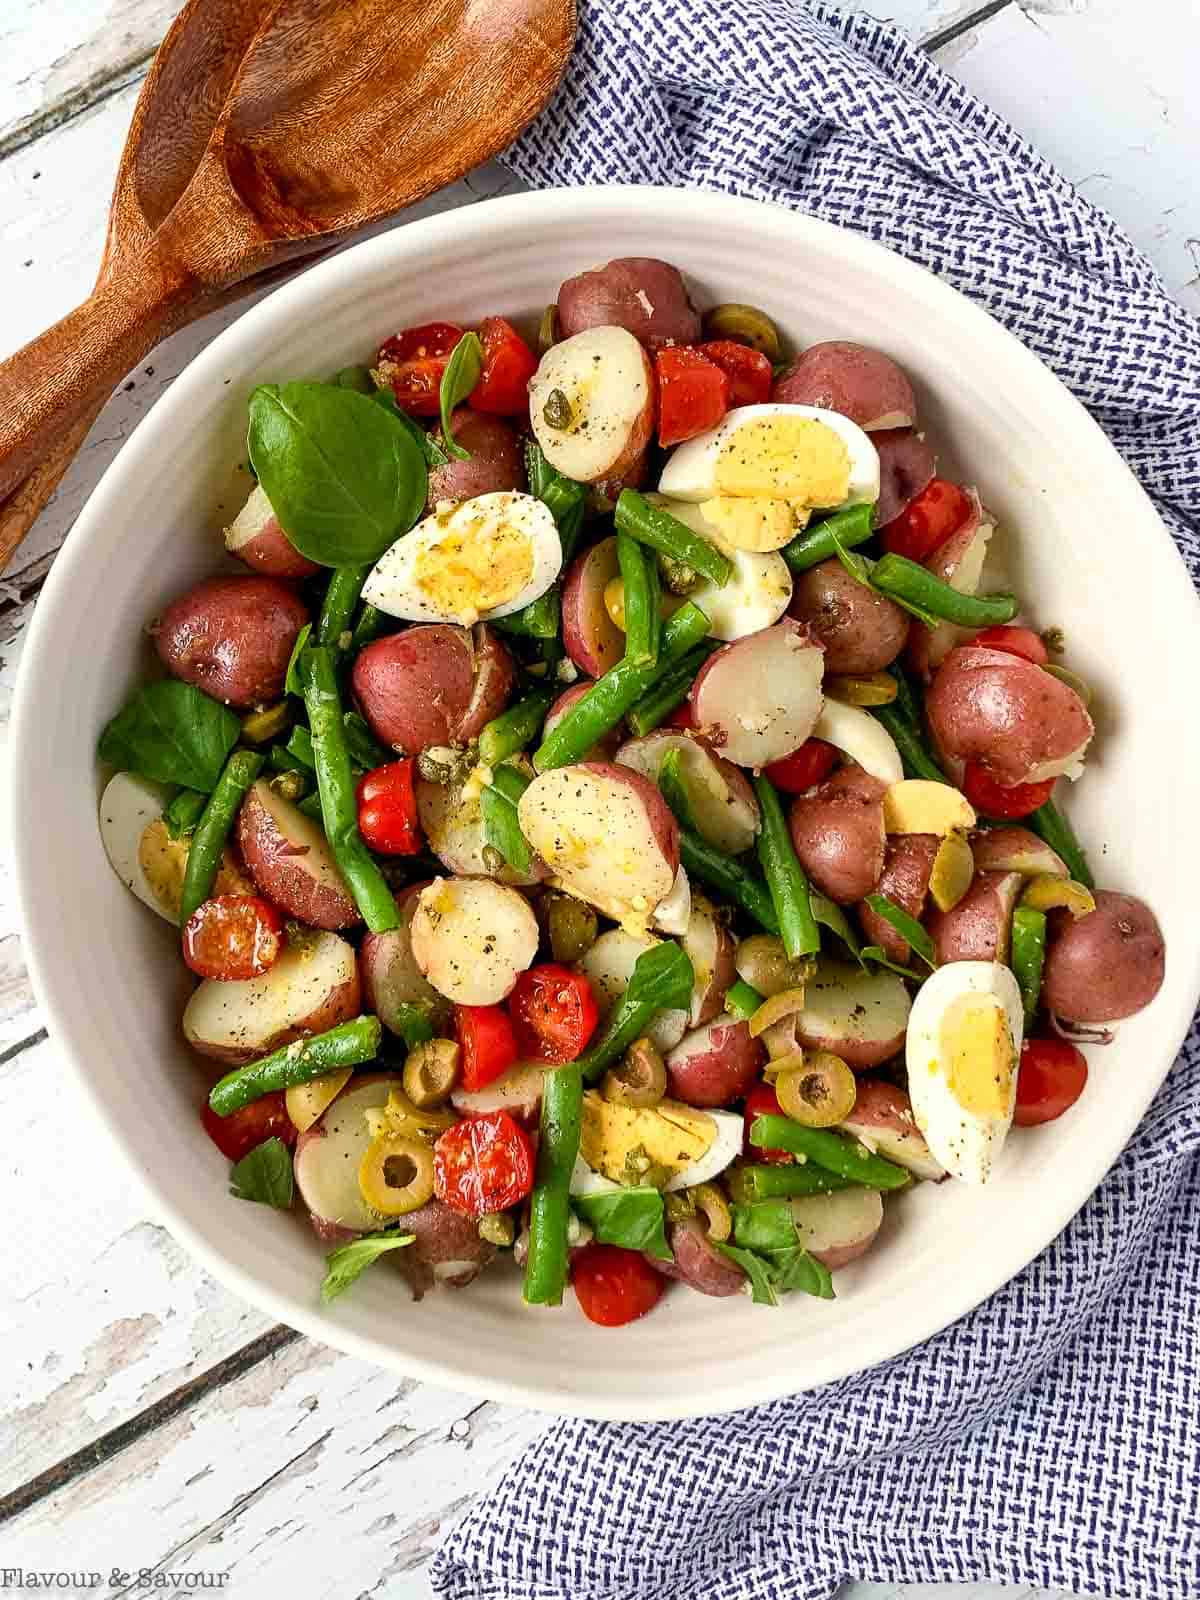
[883, 1121]
[591, 403]
[328, 1155]
[710, 947]
[721, 798]
[392, 980]
[860, 1016]
[839, 1227]
[453, 824]
[473, 938]
[291, 862]
[608, 967]
[758, 699]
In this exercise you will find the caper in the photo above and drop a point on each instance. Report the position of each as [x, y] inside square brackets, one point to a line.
[266, 724]
[493, 861]
[445, 763]
[679, 1205]
[497, 1228]
[289, 785]
[571, 926]
[548, 329]
[641, 1078]
[819, 1094]
[746, 324]
[762, 962]
[557, 411]
[677, 576]
[431, 1071]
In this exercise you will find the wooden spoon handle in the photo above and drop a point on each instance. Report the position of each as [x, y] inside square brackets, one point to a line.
[25, 504]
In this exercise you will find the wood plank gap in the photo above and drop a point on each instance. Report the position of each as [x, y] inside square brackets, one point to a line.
[22, 1045]
[95, 91]
[117, 1439]
[955, 30]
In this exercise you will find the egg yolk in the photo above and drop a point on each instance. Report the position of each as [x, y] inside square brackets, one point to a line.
[475, 566]
[977, 1055]
[796, 459]
[754, 522]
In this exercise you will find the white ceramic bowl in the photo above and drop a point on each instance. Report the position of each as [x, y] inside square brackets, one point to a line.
[1085, 549]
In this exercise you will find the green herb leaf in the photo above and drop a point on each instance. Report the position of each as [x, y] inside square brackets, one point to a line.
[831, 916]
[767, 1247]
[413, 1021]
[907, 927]
[434, 455]
[344, 475]
[632, 1218]
[662, 980]
[796, 1270]
[673, 788]
[501, 825]
[764, 1226]
[877, 954]
[172, 732]
[459, 378]
[265, 1175]
[293, 684]
[350, 1261]
[357, 378]
[760, 1273]
[183, 813]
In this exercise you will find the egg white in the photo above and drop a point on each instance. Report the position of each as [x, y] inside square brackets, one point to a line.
[495, 520]
[759, 589]
[127, 807]
[966, 1142]
[721, 1153]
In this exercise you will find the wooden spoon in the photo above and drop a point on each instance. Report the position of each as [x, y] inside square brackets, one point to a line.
[266, 130]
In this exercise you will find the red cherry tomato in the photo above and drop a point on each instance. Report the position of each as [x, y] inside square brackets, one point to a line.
[488, 1043]
[508, 365]
[1016, 641]
[614, 1286]
[233, 937]
[387, 809]
[483, 1164]
[693, 393]
[682, 717]
[749, 371]
[554, 1013]
[1052, 1076]
[242, 1131]
[999, 800]
[812, 763]
[762, 1101]
[938, 510]
[413, 363]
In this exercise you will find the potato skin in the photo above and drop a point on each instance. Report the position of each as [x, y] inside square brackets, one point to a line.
[256, 537]
[390, 975]
[714, 1064]
[432, 685]
[441, 1235]
[232, 637]
[606, 747]
[279, 870]
[618, 295]
[340, 1003]
[907, 864]
[860, 383]
[978, 928]
[862, 631]
[698, 1262]
[590, 636]
[496, 463]
[906, 465]
[837, 830]
[1107, 965]
[1006, 713]
[1015, 849]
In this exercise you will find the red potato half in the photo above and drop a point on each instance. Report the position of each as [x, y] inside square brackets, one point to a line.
[758, 699]
[517, 1091]
[605, 748]
[454, 828]
[979, 927]
[1107, 965]
[608, 967]
[712, 950]
[860, 1016]
[715, 1064]
[839, 1227]
[861, 631]
[328, 1155]
[603, 380]
[1016, 849]
[432, 685]
[906, 467]
[289, 858]
[232, 637]
[590, 636]
[721, 797]
[697, 1261]
[495, 463]
[256, 538]
[838, 834]
[645, 296]
[883, 1121]
[446, 1248]
[313, 986]
[907, 865]
[606, 834]
[473, 938]
[860, 383]
[959, 562]
[1020, 723]
[391, 977]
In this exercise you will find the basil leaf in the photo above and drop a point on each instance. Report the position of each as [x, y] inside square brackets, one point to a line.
[661, 980]
[632, 1218]
[831, 916]
[771, 1254]
[459, 378]
[501, 825]
[350, 1261]
[909, 929]
[674, 790]
[766, 1225]
[796, 1270]
[434, 455]
[877, 954]
[265, 1175]
[292, 683]
[172, 732]
[345, 477]
[759, 1272]
[183, 813]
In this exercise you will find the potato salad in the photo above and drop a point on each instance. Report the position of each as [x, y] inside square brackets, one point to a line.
[612, 823]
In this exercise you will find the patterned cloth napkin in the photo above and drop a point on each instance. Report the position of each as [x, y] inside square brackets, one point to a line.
[1052, 1436]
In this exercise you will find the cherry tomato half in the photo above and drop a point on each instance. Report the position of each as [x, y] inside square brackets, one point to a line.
[762, 1101]
[1052, 1076]
[233, 937]
[483, 1164]
[242, 1131]
[1007, 801]
[939, 509]
[614, 1286]
[554, 1013]
[749, 371]
[413, 362]
[1016, 641]
[488, 1043]
[693, 393]
[811, 764]
[387, 809]
[508, 365]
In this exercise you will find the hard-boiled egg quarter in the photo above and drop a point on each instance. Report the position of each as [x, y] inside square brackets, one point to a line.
[757, 592]
[621, 1145]
[482, 558]
[136, 843]
[963, 1051]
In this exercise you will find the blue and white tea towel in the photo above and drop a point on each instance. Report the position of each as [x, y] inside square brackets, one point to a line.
[1052, 1437]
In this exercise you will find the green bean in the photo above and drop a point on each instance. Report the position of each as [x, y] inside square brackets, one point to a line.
[662, 980]
[549, 1208]
[368, 627]
[335, 784]
[656, 527]
[1049, 824]
[501, 829]
[341, 598]
[350, 1044]
[910, 584]
[212, 830]
[540, 619]
[364, 749]
[611, 696]
[742, 1001]
[563, 496]
[300, 749]
[512, 730]
[643, 618]
[728, 877]
[184, 812]
[1028, 956]
[671, 690]
[908, 700]
[918, 763]
[846, 1157]
[785, 877]
[817, 543]
[752, 1183]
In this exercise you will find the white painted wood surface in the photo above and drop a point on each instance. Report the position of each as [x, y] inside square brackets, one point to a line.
[149, 1418]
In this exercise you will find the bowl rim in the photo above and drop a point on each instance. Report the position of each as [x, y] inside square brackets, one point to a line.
[536, 210]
